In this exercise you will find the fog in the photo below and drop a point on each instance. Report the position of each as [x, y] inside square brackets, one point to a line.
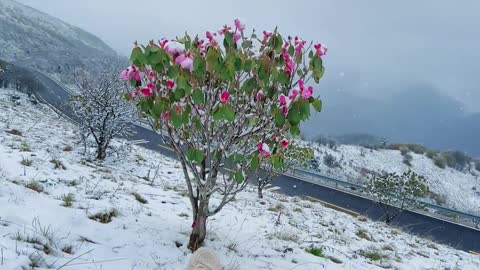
[378, 50]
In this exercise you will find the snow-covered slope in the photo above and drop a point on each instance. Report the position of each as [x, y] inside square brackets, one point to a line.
[50, 228]
[452, 188]
[28, 36]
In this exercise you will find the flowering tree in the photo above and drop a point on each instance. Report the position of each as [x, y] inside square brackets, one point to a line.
[397, 192]
[100, 110]
[228, 105]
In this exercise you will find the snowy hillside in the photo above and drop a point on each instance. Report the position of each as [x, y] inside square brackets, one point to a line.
[449, 187]
[28, 36]
[57, 208]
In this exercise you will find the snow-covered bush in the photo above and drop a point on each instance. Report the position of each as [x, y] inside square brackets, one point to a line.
[232, 100]
[100, 109]
[397, 192]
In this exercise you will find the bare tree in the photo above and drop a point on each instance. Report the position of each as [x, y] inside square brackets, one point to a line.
[100, 108]
[397, 192]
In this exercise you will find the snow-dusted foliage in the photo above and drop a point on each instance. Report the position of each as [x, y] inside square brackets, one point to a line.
[396, 192]
[230, 101]
[100, 109]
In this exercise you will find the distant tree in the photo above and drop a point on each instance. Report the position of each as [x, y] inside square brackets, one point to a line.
[299, 157]
[330, 161]
[397, 192]
[100, 108]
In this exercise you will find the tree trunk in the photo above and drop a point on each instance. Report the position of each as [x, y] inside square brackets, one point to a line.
[199, 226]
[101, 152]
[260, 190]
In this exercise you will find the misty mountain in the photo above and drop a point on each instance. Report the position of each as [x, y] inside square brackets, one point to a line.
[32, 38]
[416, 114]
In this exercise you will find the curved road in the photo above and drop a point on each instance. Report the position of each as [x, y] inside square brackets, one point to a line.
[457, 236]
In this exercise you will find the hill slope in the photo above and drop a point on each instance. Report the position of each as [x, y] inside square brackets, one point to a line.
[33, 38]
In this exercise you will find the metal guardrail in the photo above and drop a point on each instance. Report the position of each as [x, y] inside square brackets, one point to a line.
[449, 214]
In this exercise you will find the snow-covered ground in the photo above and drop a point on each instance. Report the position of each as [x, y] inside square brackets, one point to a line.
[455, 189]
[42, 229]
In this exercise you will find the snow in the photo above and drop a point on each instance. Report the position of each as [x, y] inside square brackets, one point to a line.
[249, 233]
[459, 188]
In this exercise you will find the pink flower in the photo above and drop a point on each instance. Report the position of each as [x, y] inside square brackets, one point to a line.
[152, 87]
[299, 44]
[260, 95]
[239, 25]
[146, 92]
[224, 30]
[237, 37]
[224, 97]
[321, 49]
[186, 62]
[266, 36]
[151, 75]
[294, 94]
[282, 99]
[166, 116]
[133, 95]
[301, 84]
[170, 84]
[130, 73]
[307, 93]
[285, 111]
[174, 48]
[264, 149]
[284, 143]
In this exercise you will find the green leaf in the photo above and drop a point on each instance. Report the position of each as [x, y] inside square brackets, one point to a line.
[213, 59]
[291, 50]
[278, 43]
[283, 78]
[295, 130]
[317, 104]
[255, 163]
[218, 114]
[239, 177]
[175, 118]
[197, 123]
[278, 162]
[279, 119]
[179, 94]
[304, 109]
[198, 96]
[295, 114]
[247, 66]
[137, 56]
[199, 67]
[194, 154]
[159, 107]
[249, 85]
[228, 113]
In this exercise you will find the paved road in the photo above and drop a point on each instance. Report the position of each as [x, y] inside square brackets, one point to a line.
[455, 235]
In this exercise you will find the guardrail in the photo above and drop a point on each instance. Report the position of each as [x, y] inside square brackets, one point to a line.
[434, 210]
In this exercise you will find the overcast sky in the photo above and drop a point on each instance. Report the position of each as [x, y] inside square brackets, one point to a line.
[381, 43]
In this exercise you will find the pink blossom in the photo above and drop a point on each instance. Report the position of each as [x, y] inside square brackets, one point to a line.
[285, 111]
[166, 116]
[239, 25]
[151, 75]
[170, 84]
[224, 30]
[152, 87]
[130, 73]
[301, 84]
[174, 48]
[299, 47]
[260, 95]
[133, 95]
[237, 37]
[186, 62]
[266, 36]
[294, 94]
[146, 92]
[282, 99]
[321, 49]
[224, 97]
[264, 149]
[307, 93]
[284, 143]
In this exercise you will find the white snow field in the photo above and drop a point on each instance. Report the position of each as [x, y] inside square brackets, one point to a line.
[43, 227]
